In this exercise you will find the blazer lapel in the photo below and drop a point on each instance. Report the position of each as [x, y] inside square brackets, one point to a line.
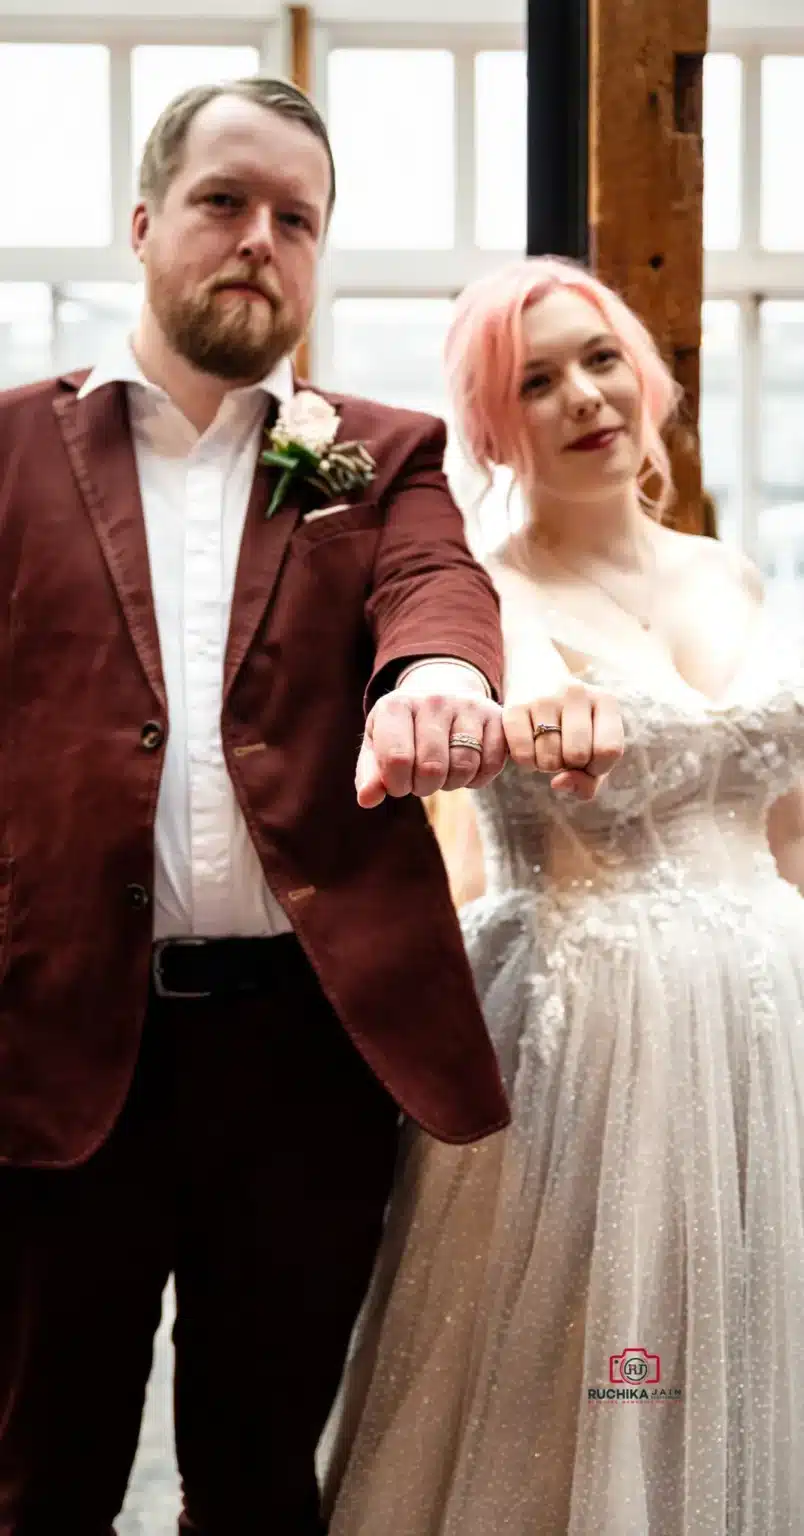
[97, 437]
[262, 553]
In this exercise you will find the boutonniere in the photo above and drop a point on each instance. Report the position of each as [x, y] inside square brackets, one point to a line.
[302, 445]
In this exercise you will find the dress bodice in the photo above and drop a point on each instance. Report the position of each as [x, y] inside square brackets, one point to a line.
[688, 800]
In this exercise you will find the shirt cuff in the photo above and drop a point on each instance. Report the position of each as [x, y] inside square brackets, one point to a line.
[445, 675]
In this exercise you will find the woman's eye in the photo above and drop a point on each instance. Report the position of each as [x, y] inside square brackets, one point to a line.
[536, 384]
[603, 356]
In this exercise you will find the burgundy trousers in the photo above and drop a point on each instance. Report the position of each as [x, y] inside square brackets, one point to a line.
[253, 1159]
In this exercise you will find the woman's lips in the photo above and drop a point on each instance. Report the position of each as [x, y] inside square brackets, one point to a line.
[594, 441]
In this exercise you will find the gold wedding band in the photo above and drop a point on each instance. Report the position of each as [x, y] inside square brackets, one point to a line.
[463, 739]
[544, 730]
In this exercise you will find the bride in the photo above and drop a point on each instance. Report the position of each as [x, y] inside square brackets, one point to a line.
[594, 1321]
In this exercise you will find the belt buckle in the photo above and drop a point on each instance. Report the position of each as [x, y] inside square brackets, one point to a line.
[156, 967]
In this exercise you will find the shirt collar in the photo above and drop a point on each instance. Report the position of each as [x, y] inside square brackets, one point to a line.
[118, 365]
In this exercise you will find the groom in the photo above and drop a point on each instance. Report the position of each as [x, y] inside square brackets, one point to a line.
[224, 965]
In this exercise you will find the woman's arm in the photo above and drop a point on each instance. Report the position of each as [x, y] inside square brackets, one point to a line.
[785, 828]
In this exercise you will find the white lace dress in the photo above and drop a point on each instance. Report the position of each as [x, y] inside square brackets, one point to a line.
[594, 1322]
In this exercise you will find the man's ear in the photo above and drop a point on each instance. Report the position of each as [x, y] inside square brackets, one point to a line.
[140, 224]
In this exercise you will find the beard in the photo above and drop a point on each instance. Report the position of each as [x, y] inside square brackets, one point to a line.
[236, 338]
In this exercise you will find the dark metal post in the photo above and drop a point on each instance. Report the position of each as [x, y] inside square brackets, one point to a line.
[558, 128]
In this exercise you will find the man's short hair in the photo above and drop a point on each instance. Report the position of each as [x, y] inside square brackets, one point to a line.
[164, 149]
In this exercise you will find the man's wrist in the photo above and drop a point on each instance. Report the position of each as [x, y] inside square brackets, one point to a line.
[443, 674]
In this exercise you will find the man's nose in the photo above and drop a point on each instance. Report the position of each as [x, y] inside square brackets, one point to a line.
[259, 238]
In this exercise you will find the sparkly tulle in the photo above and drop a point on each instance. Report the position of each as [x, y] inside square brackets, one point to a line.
[647, 1001]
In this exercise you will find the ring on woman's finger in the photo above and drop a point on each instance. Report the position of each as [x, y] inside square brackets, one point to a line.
[544, 730]
[463, 739]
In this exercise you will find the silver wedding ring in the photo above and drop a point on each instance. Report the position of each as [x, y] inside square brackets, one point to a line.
[544, 730]
[463, 739]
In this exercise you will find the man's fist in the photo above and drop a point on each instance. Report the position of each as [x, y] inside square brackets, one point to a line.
[415, 745]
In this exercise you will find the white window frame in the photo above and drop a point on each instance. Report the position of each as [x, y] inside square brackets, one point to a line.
[750, 275]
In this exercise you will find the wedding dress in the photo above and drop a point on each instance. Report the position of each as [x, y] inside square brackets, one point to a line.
[593, 1323]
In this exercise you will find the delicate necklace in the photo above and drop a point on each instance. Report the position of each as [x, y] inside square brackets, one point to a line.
[644, 617]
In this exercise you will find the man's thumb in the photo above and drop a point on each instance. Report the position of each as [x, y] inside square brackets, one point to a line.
[368, 779]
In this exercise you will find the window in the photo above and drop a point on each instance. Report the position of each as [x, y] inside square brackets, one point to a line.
[160, 72]
[55, 181]
[501, 150]
[723, 82]
[753, 359]
[781, 521]
[26, 332]
[392, 348]
[782, 206]
[392, 120]
[720, 410]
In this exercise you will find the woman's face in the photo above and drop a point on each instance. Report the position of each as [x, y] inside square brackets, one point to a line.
[581, 400]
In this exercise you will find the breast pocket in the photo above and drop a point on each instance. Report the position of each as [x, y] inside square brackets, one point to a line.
[350, 523]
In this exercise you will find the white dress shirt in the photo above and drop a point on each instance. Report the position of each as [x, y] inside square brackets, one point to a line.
[195, 491]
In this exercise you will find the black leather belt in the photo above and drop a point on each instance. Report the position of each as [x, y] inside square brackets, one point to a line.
[197, 968]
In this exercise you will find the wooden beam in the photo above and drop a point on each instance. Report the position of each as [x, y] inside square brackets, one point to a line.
[646, 190]
[301, 74]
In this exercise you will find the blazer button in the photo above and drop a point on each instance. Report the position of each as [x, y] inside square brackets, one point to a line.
[138, 896]
[152, 735]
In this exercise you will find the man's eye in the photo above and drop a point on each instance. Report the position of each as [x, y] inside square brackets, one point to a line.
[296, 221]
[223, 200]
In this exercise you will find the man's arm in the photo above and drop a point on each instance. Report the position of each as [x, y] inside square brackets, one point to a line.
[435, 619]
[430, 598]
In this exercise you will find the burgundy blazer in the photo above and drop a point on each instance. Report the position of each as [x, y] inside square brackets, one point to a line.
[323, 615]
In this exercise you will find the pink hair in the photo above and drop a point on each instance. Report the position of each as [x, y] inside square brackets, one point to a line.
[484, 356]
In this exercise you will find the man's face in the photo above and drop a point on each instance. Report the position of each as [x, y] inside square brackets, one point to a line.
[230, 257]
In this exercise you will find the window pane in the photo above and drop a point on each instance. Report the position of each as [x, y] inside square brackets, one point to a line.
[158, 73]
[720, 411]
[26, 333]
[781, 530]
[55, 182]
[782, 133]
[391, 350]
[392, 122]
[501, 151]
[90, 316]
[723, 80]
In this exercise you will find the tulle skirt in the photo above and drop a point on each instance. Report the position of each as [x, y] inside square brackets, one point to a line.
[593, 1322]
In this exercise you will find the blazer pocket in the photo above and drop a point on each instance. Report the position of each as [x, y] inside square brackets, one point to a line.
[336, 522]
[6, 881]
[313, 517]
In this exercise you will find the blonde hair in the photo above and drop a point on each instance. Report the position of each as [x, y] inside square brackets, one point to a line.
[484, 356]
[164, 149]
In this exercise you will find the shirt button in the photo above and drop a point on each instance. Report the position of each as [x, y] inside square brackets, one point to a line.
[138, 896]
[152, 735]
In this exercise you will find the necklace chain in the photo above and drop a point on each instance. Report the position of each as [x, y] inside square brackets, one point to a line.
[645, 620]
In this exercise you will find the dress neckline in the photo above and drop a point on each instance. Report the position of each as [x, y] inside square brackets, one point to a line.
[561, 628]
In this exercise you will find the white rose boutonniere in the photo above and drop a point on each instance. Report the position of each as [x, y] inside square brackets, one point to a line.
[302, 445]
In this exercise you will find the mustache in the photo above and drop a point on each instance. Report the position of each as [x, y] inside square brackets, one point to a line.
[268, 290]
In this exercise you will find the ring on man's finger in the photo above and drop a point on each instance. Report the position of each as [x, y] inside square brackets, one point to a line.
[463, 739]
